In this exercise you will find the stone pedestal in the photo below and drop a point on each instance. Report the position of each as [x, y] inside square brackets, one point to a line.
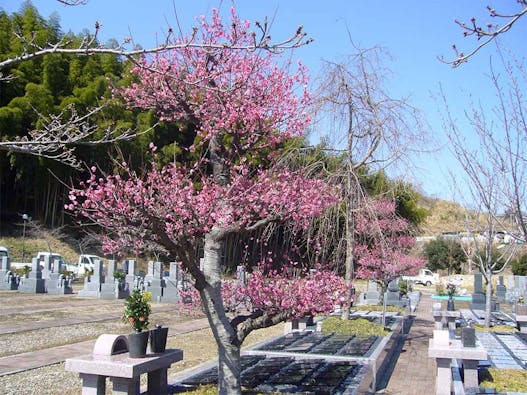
[58, 284]
[33, 283]
[521, 323]
[92, 284]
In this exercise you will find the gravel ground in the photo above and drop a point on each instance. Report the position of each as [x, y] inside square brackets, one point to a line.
[198, 347]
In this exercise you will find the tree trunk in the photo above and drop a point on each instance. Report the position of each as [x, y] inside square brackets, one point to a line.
[489, 297]
[384, 289]
[351, 203]
[229, 364]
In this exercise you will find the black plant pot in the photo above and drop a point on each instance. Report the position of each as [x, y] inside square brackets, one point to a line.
[158, 339]
[137, 343]
[450, 304]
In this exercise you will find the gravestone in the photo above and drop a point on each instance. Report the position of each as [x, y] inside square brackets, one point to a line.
[501, 290]
[479, 299]
[92, 284]
[512, 293]
[59, 284]
[372, 296]
[131, 279]
[393, 295]
[241, 276]
[173, 283]
[157, 283]
[150, 273]
[522, 285]
[8, 279]
[33, 283]
[113, 288]
[47, 268]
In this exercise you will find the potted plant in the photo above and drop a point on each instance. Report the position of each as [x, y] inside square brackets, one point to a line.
[451, 291]
[136, 312]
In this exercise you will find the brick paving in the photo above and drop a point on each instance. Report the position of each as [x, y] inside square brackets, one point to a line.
[414, 373]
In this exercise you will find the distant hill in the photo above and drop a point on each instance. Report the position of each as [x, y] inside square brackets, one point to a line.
[443, 216]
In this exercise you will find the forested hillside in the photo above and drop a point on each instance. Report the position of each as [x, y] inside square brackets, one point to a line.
[56, 84]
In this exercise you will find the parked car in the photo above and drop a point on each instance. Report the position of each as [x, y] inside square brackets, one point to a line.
[425, 277]
[4, 252]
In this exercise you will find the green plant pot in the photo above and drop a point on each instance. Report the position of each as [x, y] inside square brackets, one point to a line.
[137, 343]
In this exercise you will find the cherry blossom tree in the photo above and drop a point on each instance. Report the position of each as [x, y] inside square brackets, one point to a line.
[383, 245]
[242, 106]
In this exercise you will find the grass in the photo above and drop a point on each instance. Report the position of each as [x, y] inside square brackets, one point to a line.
[370, 307]
[32, 246]
[357, 327]
[504, 380]
[496, 328]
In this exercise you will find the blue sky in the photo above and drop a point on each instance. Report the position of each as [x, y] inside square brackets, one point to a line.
[415, 32]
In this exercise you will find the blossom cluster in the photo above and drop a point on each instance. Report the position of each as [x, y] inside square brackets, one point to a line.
[129, 204]
[384, 242]
[316, 293]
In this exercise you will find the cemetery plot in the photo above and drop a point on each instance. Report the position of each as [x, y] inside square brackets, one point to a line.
[269, 374]
[315, 343]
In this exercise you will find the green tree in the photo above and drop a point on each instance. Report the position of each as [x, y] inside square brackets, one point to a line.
[519, 266]
[445, 254]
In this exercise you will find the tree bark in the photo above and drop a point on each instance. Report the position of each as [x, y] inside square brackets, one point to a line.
[489, 297]
[229, 364]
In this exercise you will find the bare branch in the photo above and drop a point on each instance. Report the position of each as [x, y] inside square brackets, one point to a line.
[485, 35]
[90, 46]
[61, 133]
[73, 2]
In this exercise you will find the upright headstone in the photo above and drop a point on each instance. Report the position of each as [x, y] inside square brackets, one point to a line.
[393, 295]
[47, 267]
[512, 293]
[108, 287]
[501, 290]
[130, 279]
[478, 296]
[8, 279]
[33, 283]
[372, 295]
[241, 276]
[157, 283]
[92, 285]
[172, 283]
[522, 285]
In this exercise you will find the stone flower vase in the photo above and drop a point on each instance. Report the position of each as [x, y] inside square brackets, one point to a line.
[450, 304]
[137, 343]
[158, 339]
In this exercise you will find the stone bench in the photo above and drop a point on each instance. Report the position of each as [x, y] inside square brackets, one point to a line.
[111, 359]
[521, 323]
[445, 350]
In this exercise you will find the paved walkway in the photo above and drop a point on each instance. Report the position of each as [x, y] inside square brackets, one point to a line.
[35, 359]
[414, 373]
